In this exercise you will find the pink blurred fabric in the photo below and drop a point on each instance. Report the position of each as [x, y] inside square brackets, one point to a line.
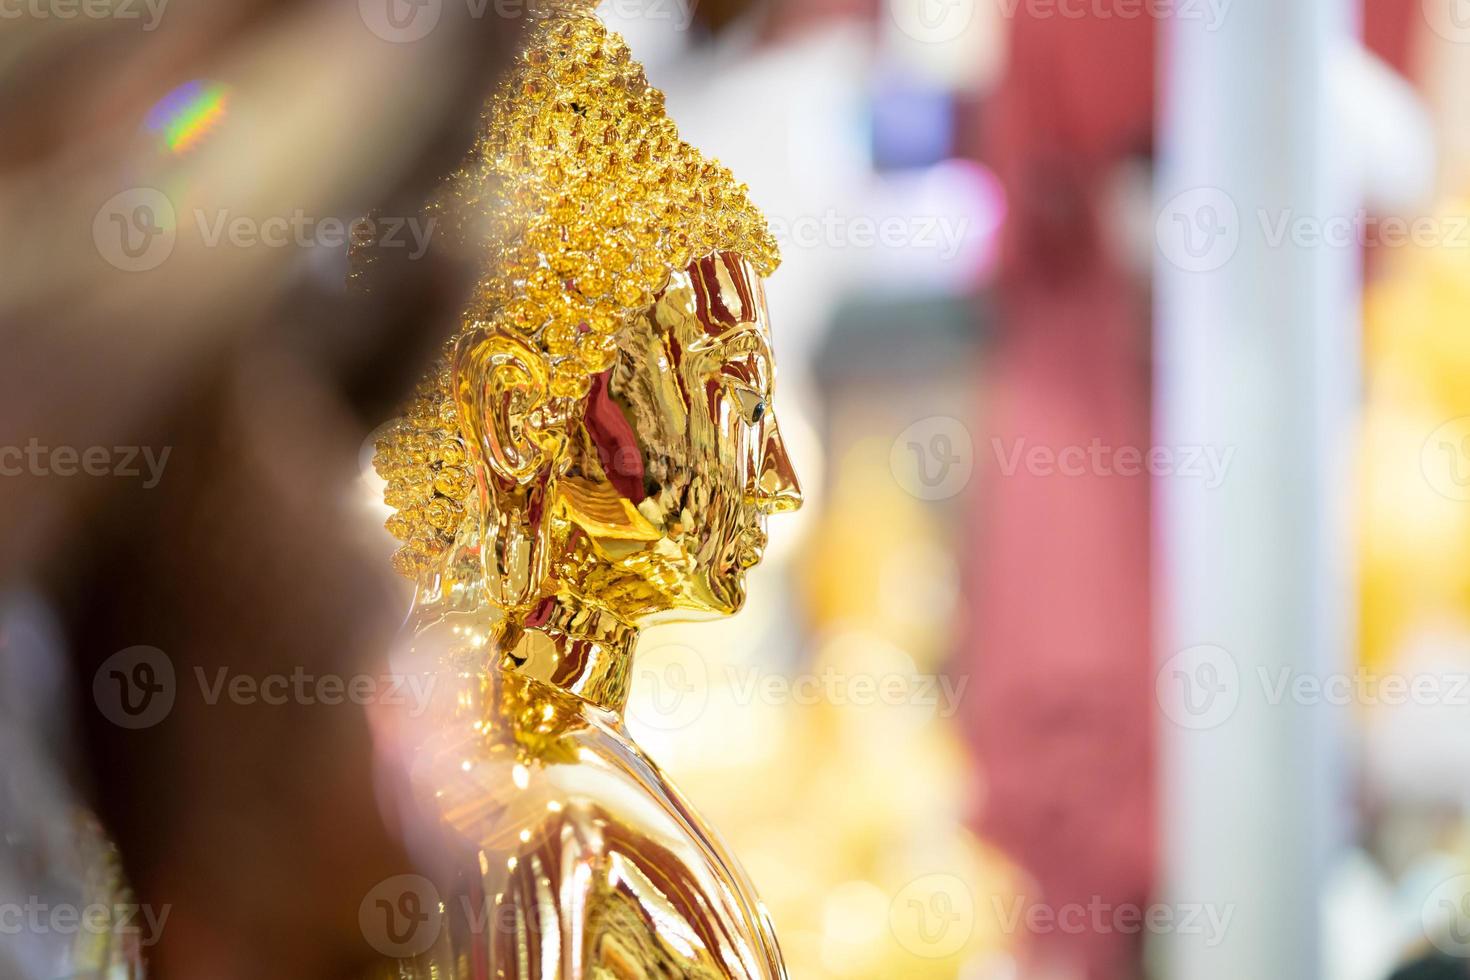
[1058, 642]
[1059, 637]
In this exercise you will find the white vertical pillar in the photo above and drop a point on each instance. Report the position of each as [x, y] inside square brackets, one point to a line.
[1257, 333]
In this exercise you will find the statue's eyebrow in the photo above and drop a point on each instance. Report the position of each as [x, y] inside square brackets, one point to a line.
[747, 334]
[750, 361]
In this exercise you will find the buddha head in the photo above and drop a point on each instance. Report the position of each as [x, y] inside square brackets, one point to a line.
[601, 431]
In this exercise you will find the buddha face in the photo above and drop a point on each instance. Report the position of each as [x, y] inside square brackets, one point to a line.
[678, 459]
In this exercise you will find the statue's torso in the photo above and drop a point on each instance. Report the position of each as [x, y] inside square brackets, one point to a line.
[576, 857]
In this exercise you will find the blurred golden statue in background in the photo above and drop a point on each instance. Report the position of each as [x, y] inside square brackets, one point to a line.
[596, 453]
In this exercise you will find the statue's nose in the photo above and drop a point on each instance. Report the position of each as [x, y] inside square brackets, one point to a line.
[777, 490]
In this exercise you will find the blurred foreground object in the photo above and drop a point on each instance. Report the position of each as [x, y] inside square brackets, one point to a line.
[184, 389]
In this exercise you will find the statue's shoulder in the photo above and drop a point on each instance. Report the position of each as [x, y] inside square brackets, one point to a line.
[633, 874]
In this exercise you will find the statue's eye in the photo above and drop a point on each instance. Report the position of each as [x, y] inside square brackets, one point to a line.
[752, 404]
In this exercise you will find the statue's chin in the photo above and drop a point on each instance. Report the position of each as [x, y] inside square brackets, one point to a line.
[727, 591]
[713, 596]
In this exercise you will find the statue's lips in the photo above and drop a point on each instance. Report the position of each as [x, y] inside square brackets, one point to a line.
[749, 547]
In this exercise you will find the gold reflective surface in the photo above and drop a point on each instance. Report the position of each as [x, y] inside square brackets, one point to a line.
[578, 859]
[577, 202]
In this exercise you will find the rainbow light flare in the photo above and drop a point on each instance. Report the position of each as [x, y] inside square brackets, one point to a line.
[188, 113]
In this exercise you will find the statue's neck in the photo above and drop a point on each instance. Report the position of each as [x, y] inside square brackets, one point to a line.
[576, 648]
[566, 644]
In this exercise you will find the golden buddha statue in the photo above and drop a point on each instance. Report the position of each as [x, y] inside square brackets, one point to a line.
[596, 453]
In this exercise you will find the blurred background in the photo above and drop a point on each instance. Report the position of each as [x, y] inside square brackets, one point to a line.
[1125, 361]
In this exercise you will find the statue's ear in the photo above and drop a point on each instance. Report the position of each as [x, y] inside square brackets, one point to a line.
[501, 390]
[501, 384]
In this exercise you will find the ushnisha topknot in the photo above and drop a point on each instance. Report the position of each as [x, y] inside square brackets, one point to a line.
[595, 202]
